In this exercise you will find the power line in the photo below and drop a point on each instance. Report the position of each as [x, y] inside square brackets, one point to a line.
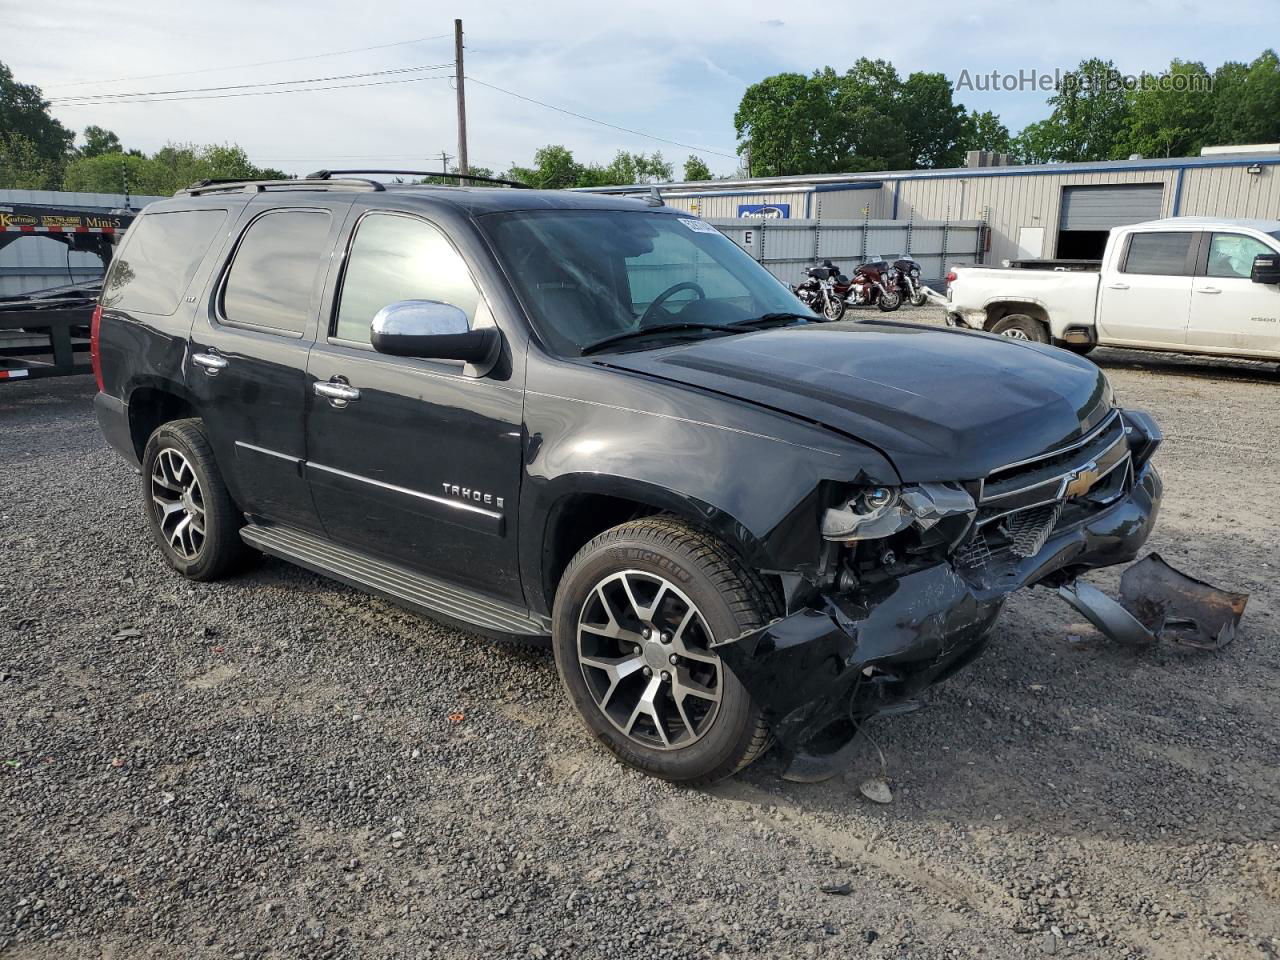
[99, 97]
[603, 123]
[261, 63]
[260, 93]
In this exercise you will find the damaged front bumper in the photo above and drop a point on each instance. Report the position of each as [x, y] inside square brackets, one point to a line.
[823, 669]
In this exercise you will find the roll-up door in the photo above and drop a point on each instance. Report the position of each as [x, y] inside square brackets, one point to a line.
[1101, 208]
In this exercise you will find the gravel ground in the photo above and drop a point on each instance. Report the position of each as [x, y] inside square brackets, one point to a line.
[279, 766]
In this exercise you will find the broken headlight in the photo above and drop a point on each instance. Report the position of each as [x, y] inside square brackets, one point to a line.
[876, 512]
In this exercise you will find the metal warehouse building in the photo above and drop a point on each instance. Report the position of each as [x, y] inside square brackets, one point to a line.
[1060, 210]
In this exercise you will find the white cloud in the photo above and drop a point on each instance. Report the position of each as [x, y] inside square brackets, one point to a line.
[676, 70]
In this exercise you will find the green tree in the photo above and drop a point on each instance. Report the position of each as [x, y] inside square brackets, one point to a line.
[553, 169]
[984, 131]
[1246, 102]
[785, 124]
[1167, 118]
[867, 118]
[1089, 120]
[21, 166]
[933, 123]
[695, 168]
[170, 168]
[98, 141]
[25, 113]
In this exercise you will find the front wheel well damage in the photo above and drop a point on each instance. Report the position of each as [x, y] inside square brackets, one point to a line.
[579, 518]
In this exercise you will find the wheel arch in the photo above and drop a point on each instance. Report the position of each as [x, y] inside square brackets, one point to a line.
[153, 404]
[997, 310]
[583, 509]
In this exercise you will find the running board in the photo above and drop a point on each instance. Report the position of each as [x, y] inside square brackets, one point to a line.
[394, 582]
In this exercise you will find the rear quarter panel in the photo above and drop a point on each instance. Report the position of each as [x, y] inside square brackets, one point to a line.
[1069, 298]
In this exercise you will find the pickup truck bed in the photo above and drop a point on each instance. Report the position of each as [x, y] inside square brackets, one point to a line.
[1188, 285]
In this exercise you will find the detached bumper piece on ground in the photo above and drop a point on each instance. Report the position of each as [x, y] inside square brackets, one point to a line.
[1159, 602]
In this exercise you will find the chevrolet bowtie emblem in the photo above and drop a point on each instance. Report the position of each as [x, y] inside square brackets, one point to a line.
[1081, 481]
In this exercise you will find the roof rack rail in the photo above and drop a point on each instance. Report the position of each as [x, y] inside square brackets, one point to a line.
[327, 174]
[238, 185]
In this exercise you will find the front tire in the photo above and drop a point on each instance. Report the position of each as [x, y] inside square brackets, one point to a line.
[1019, 326]
[636, 617]
[834, 308]
[888, 302]
[919, 298]
[191, 515]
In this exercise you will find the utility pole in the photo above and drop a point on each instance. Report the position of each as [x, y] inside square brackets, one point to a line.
[462, 99]
[444, 163]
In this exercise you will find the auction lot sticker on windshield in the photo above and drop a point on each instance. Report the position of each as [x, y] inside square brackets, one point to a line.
[698, 226]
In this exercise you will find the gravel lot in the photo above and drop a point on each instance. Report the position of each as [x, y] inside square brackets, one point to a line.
[279, 766]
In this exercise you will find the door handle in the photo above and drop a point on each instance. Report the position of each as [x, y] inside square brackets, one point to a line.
[1118, 286]
[211, 362]
[338, 394]
[1208, 290]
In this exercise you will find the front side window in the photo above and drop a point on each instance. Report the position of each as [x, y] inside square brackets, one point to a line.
[1231, 255]
[162, 252]
[395, 258]
[1164, 254]
[273, 278]
[586, 276]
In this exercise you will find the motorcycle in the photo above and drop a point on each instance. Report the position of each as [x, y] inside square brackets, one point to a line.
[909, 283]
[874, 282]
[817, 291]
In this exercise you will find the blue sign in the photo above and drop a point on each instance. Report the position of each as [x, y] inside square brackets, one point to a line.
[766, 211]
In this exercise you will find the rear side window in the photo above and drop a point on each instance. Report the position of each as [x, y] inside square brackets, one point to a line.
[273, 278]
[161, 254]
[1164, 254]
[397, 258]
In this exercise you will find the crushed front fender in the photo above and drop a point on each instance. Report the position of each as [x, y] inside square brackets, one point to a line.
[819, 672]
[824, 669]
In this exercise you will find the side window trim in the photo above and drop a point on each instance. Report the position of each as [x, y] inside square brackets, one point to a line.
[330, 324]
[219, 316]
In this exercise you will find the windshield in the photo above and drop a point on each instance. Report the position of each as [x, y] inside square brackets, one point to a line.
[586, 276]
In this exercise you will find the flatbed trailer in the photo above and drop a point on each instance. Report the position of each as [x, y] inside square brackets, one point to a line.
[45, 333]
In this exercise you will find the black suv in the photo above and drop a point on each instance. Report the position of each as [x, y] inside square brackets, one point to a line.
[596, 419]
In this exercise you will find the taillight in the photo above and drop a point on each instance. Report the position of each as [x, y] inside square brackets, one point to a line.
[951, 278]
[95, 351]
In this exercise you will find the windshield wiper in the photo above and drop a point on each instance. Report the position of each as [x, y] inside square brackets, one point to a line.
[771, 320]
[656, 328]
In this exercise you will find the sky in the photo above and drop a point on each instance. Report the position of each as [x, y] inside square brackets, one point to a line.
[671, 70]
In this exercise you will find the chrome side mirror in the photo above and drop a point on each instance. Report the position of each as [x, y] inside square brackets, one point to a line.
[432, 330]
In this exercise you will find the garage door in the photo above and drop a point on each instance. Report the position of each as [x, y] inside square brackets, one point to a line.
[1101, 208]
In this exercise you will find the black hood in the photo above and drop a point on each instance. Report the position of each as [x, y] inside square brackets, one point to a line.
[941, 404]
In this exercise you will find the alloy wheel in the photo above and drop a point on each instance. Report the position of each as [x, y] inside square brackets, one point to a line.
[644, 649]
[1013, 333]
[178, 503]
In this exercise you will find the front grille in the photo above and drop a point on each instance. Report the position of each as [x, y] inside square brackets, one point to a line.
[1048, 478]
[1021, 504]
[1028, 530]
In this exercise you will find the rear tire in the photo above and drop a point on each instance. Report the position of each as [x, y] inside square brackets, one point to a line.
[690, 721]
[1019, 326]
[191, 515]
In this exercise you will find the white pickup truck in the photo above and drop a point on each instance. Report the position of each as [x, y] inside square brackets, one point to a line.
[1187, 284]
